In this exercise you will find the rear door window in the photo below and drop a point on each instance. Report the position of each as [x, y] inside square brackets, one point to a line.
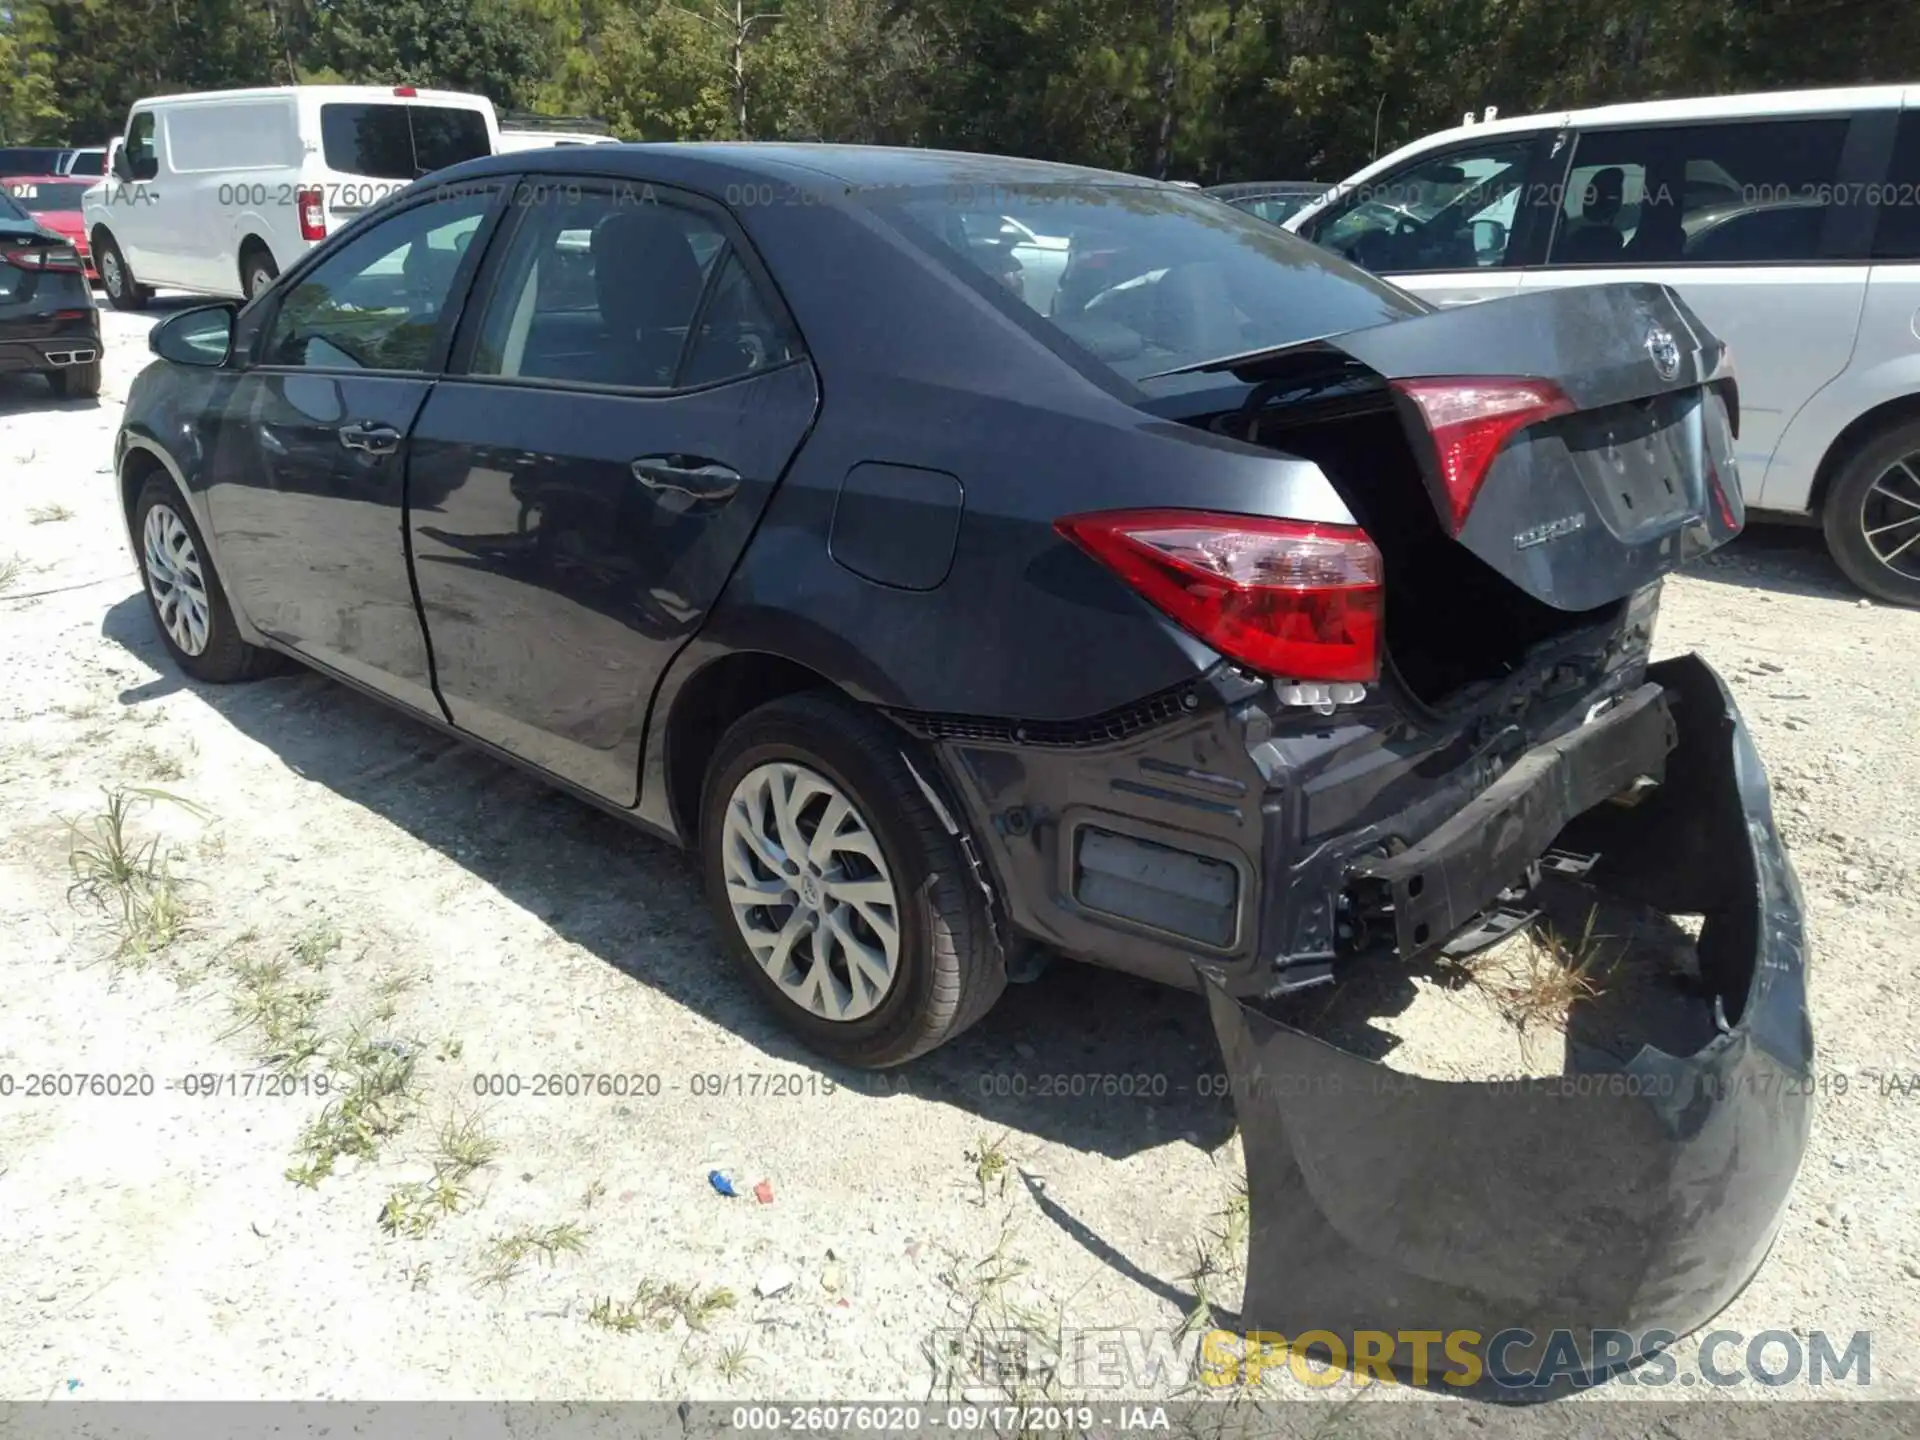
[1752, 192]
[596, 289]
[400, 142]
[1898, 234]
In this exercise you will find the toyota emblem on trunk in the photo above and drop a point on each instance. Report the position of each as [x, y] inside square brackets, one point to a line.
[1665, 352]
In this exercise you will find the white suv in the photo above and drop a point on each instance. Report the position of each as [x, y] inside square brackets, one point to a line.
[1790, 222]
[219, 192]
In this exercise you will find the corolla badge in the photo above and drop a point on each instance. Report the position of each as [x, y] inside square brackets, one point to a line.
[1665, 351]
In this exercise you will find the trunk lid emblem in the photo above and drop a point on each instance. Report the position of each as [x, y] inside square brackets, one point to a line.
[1552, 530]
[1665, 352]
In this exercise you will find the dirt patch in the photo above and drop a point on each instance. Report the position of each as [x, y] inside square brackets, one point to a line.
[1583, 990]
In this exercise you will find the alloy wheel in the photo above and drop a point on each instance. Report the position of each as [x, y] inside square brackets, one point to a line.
[1890, 517]
[110, 273]
[173, 575]
[810, 890]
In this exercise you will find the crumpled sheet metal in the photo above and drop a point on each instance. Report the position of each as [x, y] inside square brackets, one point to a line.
[1639, 1199]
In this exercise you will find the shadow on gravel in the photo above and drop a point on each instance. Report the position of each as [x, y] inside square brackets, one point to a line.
[1084, 1057]
[29, 394]
[1785, 559]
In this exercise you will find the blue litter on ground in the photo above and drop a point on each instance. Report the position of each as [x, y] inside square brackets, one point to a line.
[721, 1183]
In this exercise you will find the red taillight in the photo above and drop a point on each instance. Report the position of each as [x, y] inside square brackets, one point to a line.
[313, 213]
[1290, 599]
[51, 257]
[1470, 419]
[405, 92]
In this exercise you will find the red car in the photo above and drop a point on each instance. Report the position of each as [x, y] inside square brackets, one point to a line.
[54, 201]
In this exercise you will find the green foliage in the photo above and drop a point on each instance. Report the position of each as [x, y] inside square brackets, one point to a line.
[496, 47]
[1197, 89]
[29, 103]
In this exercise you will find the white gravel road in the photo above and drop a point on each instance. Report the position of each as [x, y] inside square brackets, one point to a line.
[357, 885]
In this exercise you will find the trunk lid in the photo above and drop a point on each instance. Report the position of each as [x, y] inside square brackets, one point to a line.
[1628, 479]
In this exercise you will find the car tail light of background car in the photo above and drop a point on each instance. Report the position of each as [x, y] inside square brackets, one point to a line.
[1470, 419]
[1296, 601]
[313, 214]
[50, 257]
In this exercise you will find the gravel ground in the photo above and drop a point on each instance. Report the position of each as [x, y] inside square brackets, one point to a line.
[407, 915]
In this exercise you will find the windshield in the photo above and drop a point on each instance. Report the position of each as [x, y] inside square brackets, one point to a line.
[8, 209]
[1271, 208]
[37, 197]
[400, 142]
[1144, 279]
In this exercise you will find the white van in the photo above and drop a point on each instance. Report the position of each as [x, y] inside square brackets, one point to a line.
[219, 192]
[1789, 222]
[512, 140]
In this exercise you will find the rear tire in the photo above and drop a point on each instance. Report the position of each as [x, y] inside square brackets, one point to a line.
[123, 291]
[1872, 516]
[257, 270]
[839, 775]
[184, 593]
[76, 382]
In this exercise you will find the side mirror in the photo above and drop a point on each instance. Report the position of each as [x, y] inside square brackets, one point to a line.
[122, 167]
[1489, 237]
[201, 336]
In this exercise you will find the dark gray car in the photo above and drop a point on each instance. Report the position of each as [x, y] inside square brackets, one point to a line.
[1229, 612]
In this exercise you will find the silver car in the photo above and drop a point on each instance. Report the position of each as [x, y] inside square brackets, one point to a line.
[1789, 222]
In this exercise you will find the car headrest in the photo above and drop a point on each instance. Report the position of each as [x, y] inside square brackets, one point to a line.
[645, 275]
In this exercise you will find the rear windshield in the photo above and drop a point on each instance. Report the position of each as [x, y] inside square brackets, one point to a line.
[38, 196]
[400, 142]
[1145, 279]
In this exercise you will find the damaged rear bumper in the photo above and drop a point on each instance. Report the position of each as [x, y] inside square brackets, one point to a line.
[1637, 1197]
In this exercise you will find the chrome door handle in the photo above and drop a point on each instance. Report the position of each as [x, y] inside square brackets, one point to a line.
[689, 475]
[371, 438]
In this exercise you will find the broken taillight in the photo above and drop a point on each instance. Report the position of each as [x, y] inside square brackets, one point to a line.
[313, 212]
[1291, 599]
[1470, 418]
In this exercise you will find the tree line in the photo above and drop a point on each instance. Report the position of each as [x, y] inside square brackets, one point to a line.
[1208, 90]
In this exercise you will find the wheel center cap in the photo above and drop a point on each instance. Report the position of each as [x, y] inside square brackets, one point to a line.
[809, 892]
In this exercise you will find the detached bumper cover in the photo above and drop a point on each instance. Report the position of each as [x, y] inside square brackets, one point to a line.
[1639, 1199]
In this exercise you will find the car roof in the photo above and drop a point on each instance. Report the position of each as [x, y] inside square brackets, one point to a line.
[1753, 105]
[48, 179]
[342, 93]
[866, 165]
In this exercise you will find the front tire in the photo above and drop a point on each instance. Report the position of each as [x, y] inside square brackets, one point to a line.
[123, 291]
[855, 914]
[257, 272]
[76, 382]
[1872, 516]
[184, 593]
